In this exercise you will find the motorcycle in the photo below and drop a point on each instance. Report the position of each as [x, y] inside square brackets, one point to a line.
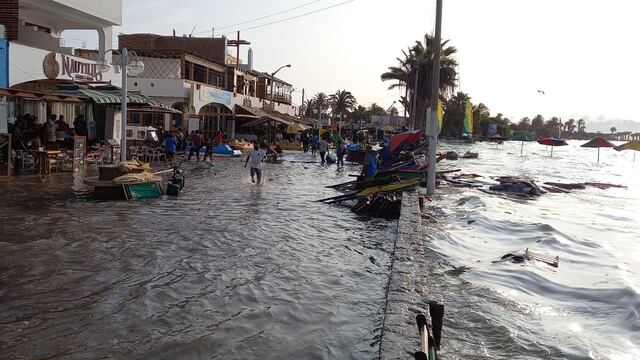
[176, 183]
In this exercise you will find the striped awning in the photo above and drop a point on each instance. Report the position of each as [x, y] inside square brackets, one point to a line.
[109, 97]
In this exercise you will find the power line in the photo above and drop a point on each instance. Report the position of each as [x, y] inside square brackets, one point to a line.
[292, 17]
[266, 16]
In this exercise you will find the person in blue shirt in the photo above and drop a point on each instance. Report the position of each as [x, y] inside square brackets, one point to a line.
[370, 167]
[169, 148]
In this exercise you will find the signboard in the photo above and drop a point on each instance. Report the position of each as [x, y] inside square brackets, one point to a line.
[73, 67]
[5, 155]
[212, 95]
[79, 151]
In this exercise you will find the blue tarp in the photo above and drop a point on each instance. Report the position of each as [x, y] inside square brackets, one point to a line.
[223, 149]
[353, 147]
[4, 63]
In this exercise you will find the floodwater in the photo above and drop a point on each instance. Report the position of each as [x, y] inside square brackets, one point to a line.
[229, 270]
[588, 307]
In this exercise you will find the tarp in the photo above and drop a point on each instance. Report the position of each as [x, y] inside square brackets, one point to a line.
[468, 119]
[409, 137]
[440, 114]
[223, 149]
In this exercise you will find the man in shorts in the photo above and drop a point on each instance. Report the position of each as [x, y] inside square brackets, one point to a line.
[255, 156]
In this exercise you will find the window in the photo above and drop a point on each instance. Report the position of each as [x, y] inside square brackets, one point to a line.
[186, 72]
[199, 73]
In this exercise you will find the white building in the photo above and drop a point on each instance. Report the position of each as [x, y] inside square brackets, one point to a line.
[37, 61]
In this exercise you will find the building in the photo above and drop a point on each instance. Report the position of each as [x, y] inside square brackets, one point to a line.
[33, 58]
[197, 76]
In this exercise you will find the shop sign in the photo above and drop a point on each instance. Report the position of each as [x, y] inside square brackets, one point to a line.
[210, 95]
[75, 68]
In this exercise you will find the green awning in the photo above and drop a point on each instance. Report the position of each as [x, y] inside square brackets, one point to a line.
[110, 97]
[100, 97]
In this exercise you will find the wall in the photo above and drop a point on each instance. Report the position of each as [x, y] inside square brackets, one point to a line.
[107, 10]
[213, 49]
[158, 68]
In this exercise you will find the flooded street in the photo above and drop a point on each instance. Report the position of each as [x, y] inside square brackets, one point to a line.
[228, 270]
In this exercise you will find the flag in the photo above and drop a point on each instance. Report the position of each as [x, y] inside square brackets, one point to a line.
[440, 115]
[468, 119]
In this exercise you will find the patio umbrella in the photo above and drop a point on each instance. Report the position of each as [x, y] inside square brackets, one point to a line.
[553, 142]
[522, 138]
[631, 145]
[598, 143]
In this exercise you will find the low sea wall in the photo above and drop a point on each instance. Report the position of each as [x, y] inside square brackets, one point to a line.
[407, 294]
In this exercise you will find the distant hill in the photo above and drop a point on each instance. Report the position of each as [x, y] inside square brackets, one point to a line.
[603, 125]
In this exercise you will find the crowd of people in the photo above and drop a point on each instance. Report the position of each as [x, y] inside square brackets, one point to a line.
[173, 142]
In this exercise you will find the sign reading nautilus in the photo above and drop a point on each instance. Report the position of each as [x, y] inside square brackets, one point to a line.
[76, 68]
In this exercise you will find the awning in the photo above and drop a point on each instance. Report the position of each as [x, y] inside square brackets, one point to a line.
[37, 95]
[260, 116]
[109, 97]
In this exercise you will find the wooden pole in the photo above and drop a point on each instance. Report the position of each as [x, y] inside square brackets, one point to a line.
[238, 52]
[432, 127]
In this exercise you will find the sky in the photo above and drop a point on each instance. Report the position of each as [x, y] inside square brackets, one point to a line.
[583, 54]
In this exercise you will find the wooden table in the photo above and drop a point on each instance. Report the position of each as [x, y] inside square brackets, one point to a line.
[43, 158]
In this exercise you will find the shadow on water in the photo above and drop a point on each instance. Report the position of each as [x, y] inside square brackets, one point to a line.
[228, 270]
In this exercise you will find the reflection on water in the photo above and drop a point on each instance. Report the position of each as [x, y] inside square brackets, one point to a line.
[586, 308]
[228, 270]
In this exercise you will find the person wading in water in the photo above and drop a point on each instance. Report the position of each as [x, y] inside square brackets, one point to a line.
[255, 156]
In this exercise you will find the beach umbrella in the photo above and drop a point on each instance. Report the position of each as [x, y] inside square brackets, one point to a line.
[631, 145]
[553, 142]
[522, 138]
[598, 143]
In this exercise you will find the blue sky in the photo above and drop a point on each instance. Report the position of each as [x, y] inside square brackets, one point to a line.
[583, 54]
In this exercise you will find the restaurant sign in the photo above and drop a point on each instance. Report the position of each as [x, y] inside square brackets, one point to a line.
[73, 67]
[209, 95]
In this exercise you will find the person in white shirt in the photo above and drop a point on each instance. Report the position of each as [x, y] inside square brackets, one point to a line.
[323, 147]
[51, 128]
[256, 156]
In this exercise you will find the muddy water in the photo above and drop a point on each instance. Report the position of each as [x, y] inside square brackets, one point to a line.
[228, 270]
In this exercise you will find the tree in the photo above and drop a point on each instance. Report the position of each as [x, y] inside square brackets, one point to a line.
[454, 111]
[537, 122]
[481, 117]
[321, 101]
[570, 126]
[418, 64]
[581, 125]
[375, 109]
[342, 102]
[613, 130]
[360, 114]
[393, 111]
[309, 108]
[524, 124]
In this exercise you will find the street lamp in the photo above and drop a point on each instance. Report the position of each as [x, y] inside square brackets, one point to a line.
[132, 68]
[273, 107]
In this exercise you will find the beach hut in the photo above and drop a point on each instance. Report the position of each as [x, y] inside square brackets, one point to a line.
[598, 143]
[631, 145]
[553, 142]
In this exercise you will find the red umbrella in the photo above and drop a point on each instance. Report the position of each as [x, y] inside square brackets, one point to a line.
[598, 143]
[552, 142]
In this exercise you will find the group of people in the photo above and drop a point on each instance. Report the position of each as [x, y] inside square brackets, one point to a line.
[195, 141]
[54, 133]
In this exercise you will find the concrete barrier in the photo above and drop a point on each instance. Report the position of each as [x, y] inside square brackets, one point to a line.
[407, 293]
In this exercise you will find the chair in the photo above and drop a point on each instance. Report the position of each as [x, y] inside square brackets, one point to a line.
[95, 159]
[27, 159]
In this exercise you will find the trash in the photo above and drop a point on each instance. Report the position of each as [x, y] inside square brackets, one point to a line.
[528, 255]
[470, 155]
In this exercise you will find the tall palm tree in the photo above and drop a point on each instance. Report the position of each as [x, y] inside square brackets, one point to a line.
[394, 111]
[360, 113]
[375, 109]
[309, 108]
[613, 129]
[321, 101]
[414, 73]
[581, 125]
[454, 110]
[342, 102]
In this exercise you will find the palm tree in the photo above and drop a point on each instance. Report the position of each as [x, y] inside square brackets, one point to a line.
[414, 73]
[613, 129]
[321, 101]
[454, 111]
[309, 108]
[570, 126]
[375, 109]
[360, 113]
[342, 102]
[394, 112]
[581, 125]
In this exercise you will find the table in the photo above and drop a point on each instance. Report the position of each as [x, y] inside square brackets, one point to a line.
[43, 156]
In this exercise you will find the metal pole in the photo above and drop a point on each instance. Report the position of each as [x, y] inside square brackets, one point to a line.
[435, 87]
[302, 109]
[273, 106]
[415, 96]
[319, 120]
[123, 105]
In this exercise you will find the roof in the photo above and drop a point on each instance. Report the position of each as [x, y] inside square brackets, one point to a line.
[260, 116]
[37, 95]
[268, 76]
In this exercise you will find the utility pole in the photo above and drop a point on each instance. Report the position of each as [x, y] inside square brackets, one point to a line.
[319, 120]
[302, 109]
[432, 126]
